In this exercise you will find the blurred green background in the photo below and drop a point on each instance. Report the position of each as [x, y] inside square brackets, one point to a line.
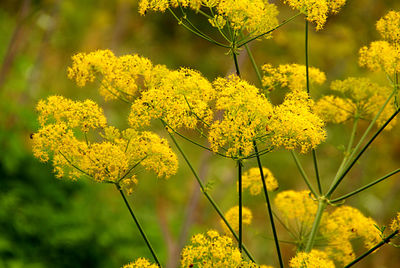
[46, 222]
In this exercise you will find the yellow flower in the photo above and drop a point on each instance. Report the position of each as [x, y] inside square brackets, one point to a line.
[389, 27]
[212, 250]
[232, 216]
[395, 225]
[245, 115]
[316, 11]
[140, 263]
[359, 98]
[343, 225]
[380, 56]
[294, 125]
[297, 206]
[313, 259]
[251, 179]
[292, 76]
[181, 98]
[64, 136]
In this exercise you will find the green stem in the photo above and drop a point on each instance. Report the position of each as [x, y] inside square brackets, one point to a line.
[383, 242]
[317, 172]
[321, 207]
[199, 34]
[235, 59]
[307, 64]
[138, 226]
[339, 179]
[339, 176]
[267, 32]
[366, 186]
[209, 198]
[349, 145]
[303, 173]
[270, 213]
[240, 165]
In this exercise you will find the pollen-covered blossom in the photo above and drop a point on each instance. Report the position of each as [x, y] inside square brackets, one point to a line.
[316, 11]
[342, 226]
[292, 76]
[389, 27]
[232, 216]
[297, 206]
[181, 98]
[313, 259]
[294, 125]
[140, 263]
[359, 97]
[212, 250]
[254, 16]
[381, 56]
[64, 135]
[251, 179]
[118, 76]
[245, 115]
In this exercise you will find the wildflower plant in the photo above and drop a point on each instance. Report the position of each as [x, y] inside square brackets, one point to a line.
[234, 119]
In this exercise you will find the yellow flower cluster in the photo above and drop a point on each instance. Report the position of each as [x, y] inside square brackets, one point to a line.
[294, 125]
[251, 179]
[181, 98]
[212, 251]
[380, 56]
[297, 207]
[338, 228]
[384, 55]
[254, 16]
[359, 98]
[292, 76]
[389, 27]
[316, 11]
[313, 259]
[245, 115]
[395, 225]
[64, 135]
[343, 225]
[232, 216]
[140, 263]
[119, 75]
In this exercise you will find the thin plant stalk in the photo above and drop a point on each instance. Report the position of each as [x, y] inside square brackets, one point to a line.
[209, 198]
[270, 213]
[240, 166]
[138, 226]
[303, 173]
[366, 186]
[322, 203]
[339, 179]
[383, 242]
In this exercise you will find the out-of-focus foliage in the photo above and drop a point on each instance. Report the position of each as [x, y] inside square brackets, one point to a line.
[45, 222]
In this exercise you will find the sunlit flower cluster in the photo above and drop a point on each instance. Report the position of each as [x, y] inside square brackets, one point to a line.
[359, 97]
[140, 263]
[118, 76]
[232, 216]
[384, 55]
[251, 180]
[212, 250]
[395, 225]
[342, 226]
[181, 98]
[292, 76]
[313, 259]
[294, 124]
[316, 11]
[254, 16]
[65, 135]
[245, 115]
